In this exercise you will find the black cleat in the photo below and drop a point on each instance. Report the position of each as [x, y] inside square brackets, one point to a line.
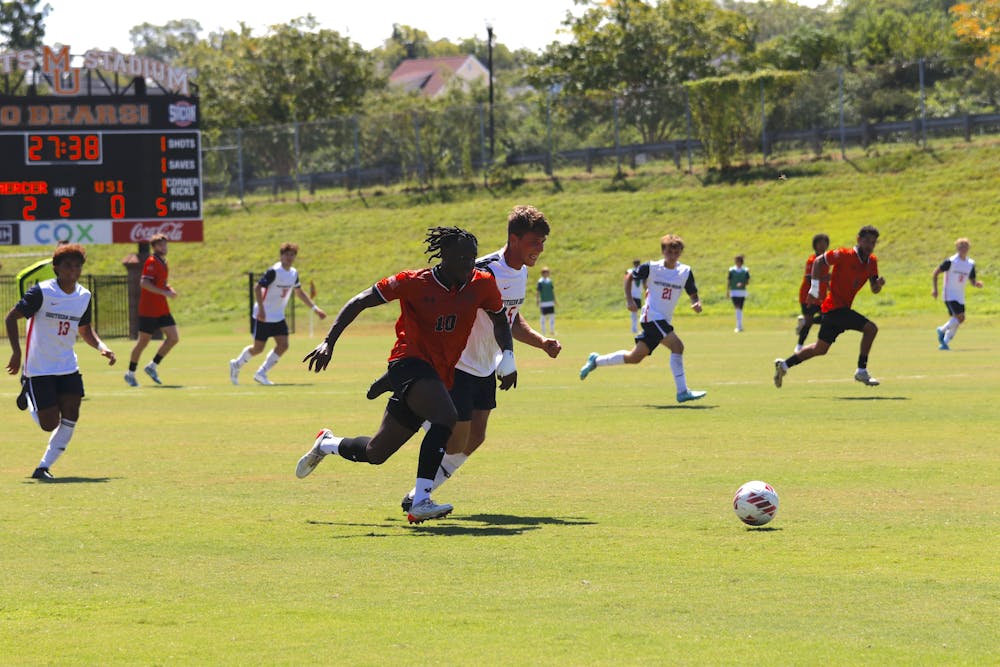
[379, 387]
[406, 503]
[42, 475]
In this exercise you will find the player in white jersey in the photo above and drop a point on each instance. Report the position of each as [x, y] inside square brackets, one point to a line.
[474, 391]
[271, 295]
[57, 309]
[958, 270]
[633, 295]
[666, 280]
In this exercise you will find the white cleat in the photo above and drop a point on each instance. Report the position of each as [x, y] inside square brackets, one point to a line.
[865, 379]
[130, 379]
[151, 372]
[427, 509]
[311, 459]
[260, 377]
[234, 372]
[779, 372]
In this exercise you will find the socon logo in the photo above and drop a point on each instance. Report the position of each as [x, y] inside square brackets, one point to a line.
[183, 114]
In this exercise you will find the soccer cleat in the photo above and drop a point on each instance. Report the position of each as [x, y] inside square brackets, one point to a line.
[406, 503]
[940, 335]
[151, 372]
[427, 509]
[688, 395]
[799, 323]
[260, 377]
[378, 387]
[234, 372]
[863, 377]
[943, 346]
[130, 379]
[42, 475]
[589, 366]
[311, 459]
[779, 372]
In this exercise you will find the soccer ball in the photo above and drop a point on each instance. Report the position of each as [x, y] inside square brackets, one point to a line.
[755, 503]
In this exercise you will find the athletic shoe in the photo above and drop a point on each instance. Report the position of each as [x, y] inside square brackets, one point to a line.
[863, 377]
[779, 372]
[427, 509]
[311, 459]
[151, 372]
[940, 335]
[798, 348]
[406, 503]
[261, 378]
[943, 346]
[799, 324]
[378, 387]
[42, 475]
[234, 372]
[589, 366]
[738, 330]
[688, 395]
[130, 379]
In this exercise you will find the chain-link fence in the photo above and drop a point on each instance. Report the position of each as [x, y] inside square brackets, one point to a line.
[755, 119]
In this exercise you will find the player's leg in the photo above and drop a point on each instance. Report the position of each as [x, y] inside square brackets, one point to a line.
[260, 336]
[59, 419]
[280, 347]
[645, 343]
[676, 346]
[429, 399]
[145, 335]
[830, 328]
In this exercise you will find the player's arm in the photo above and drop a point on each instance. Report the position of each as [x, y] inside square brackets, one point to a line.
[91, 338]
[14, 336]
[304, 298]
[934, 282]
[320, 357]
[507, 371]
[147, 284]
[692, 292]
[523, 333]
[258, 295]
[972, 278]
[629, 299]
[876, 283]
[816, 276]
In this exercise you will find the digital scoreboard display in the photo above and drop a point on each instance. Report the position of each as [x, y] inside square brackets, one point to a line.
[99, 170]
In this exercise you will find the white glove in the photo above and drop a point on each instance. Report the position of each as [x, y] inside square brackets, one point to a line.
[506, 366]
[814, 289]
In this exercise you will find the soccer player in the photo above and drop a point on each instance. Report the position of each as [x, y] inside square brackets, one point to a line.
[850, 269]
[736, 288]
[545, 298]
[154, 312]
[958, 270]
[58, 309]
[271, 295]
[438, 308]
[809, 306]
[665, 280]
[474, 391]
[633, 298]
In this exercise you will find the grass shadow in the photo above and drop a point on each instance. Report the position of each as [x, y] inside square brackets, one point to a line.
[872, 398]
[489, 525]
[682, 406]
[72, 480]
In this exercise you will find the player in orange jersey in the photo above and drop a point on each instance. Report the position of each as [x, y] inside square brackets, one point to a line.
[811, 313]
[154, 312]
[438, 309]
[850, 269]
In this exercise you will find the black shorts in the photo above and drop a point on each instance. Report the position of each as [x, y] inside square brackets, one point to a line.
[45, 390]
[954, 307]
[151, 324]
[265, 330]
[838, 321]
[403, 373]
[471, 392]
[653, 333]
[738, 301]
[548, 310]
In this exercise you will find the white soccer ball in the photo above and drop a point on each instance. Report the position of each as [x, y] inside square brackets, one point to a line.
[755, 503]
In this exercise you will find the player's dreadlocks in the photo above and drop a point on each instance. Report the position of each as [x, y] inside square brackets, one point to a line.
[439, 238]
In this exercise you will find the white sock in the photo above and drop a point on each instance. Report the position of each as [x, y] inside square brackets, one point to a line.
[612, 359]
[677, 366]
[552, 324]
[272, 359]
[151, 365]
[330, 444]
[449, 464]
[739, 318]
[635, 321]
[57, 442]
[950, 332]
[422, 489]
[244, 357]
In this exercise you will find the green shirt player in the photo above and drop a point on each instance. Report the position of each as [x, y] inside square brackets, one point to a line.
[736, 288]
[545, 296]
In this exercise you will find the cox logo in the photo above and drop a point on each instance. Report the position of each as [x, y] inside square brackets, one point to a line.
[46, 234]
[183, 114]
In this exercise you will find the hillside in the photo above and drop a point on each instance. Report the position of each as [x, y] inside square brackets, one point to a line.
[920, 201]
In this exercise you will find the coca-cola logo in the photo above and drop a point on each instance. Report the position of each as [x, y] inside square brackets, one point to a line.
[174, 231]
[141, 231]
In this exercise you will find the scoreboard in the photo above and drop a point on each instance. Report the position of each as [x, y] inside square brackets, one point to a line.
[98, 170]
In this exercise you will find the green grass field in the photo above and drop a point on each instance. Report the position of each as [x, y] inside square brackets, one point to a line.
[594, 527]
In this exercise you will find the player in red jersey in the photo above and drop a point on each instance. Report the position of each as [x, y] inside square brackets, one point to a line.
[850, 269]
[154, 312]
[811, 313]
[438, 307]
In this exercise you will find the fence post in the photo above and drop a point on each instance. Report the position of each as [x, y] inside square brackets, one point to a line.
[239, 161]
[618, 152]
[420, 159]
[763, 123]
[840, 95]
[357, 153]
[923, 106]
[296, 149]
[548, 133]
[687, 142]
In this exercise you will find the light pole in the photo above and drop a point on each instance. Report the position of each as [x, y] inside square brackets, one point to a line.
[489, 66]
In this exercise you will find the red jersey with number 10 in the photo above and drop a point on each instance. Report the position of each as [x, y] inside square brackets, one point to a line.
[435, 321]
[848, 274]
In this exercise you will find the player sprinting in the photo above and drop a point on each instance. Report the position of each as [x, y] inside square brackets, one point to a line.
[271, 295]
[154, 312]
[438, 308]
[57, 309]
[666, 279]
[850, 269]
[809, 306]
[959, 270]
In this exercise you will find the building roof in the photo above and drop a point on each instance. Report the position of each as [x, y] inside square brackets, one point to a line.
[430, 76]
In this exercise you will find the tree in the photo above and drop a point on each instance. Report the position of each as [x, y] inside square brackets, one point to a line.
[166, 43]
[978, 24]
[22, 24]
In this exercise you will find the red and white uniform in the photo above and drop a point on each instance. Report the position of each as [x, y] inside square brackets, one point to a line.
[435, 321]
[54, 319]
[957, 272]
[482, 354]
[664, 287]
[848, 274]
[150, 304]
[278, 284]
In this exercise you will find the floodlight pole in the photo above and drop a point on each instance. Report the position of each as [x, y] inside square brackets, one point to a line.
[489, 66]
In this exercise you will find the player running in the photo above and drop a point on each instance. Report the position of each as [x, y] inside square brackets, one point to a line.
[958, 270]
[154, 312]
[810, 307]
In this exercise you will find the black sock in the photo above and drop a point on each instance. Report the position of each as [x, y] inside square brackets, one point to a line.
[157, 359]
[793, 361]
[432, 450]
[355, 449]
[862, 361]
[132, 365]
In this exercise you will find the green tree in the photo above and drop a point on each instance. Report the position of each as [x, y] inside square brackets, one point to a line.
[166, 43]
[22, 24]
